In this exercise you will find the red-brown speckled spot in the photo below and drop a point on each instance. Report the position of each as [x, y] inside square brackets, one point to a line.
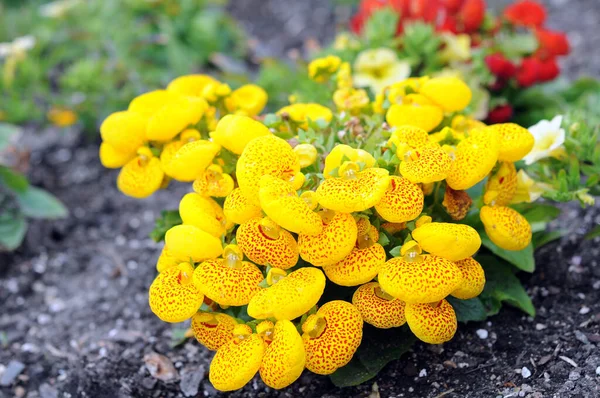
[506, 227]
[281, 252]
[236, 363]
[403, 201]
[172, 296]
[378, 311]
[426, 164]
[228, 285]
[358, 267]
[336, 241]
[432, 323]
[515, 141]
[284, 358]
[473, 279]
[213, 330]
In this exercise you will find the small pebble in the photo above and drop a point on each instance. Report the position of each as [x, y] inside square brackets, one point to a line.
[598, 370]
[525, 372]
[540, 326]
[423, 373]
[482, 333]
[11, 372]
[574, 375]
[584, 310]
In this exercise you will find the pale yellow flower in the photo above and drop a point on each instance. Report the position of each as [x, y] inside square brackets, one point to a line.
[379, 68]
[549, 139]
[528, 190]
[62, 117]
[456, 47]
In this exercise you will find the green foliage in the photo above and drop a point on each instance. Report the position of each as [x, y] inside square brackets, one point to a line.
[471, 310]
[167, 220]
[380, 29]
[420, 46]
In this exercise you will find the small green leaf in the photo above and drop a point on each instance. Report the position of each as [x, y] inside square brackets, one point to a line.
[37, 203]
[503, 286]
[378, 348]
[542, 238]
[522, 259]
[383, 239]
[167, 220]
[395, 252]
[468, 310]
[13, 180]
[12, 231]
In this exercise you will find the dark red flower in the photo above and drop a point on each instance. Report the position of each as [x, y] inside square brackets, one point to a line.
[357, 22]
[471, 15]
[528, 72]
[500, 114]
[548, 70]
[551, 44]
[500, 66]
[452, 6]
[449, 24]
[526, 13]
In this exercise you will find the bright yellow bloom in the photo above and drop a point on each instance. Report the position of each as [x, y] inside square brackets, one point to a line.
[456, 47]
[265, 243]
[188, 241]
[190, 85]
[506, 227]
[433, 323]
[450, 93]
[238, 209]
[167, 260]
[187, 160]
[112, 158]
[173, 297]
[234, 132]
[502, 185]
[378, 308]
[213, 182]
[528, 190]
[284, 357]
[249, 99]
[379, 68]
[515, 141]
[350, 100]
[212, 329]
[426, 164]
[124, 131]
[407, 137]
[403, 201]
[213, 92]
[344, 76]
[401, 89]
[451, 241]
[300, 113]
[141, 176]
[204, 213]
[174, 116]
[307, 154]
[321, 69]
[473, 279]
[415, 110]
[341, 153]
[61, 117]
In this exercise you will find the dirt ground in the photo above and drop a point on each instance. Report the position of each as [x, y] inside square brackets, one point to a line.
[74, 318]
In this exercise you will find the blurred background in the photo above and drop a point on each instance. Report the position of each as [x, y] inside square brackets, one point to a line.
[77, 258]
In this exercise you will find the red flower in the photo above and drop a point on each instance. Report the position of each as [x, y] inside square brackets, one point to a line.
[452, 6]
[449, 25]
[500, 66]
[500, 114]
[409, 10]
[528, 72]
[548, 70]
[471, 15]
[526, 13]
[551, 44]
[357, 22]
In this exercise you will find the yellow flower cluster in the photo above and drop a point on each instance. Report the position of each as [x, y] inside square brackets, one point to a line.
[163, 134]
[291, 217]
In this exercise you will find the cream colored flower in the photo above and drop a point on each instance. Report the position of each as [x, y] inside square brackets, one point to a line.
[528, 190]
[18, 46]
[456, 47]
[549, 139]
[379, 68]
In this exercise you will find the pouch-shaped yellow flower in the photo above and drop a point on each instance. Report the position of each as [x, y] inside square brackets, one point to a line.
[266, 155]
[188, 241]
[506, 227]
[358, 267]
[236, 362]
[333, 243]
[124, 131]
[432, 323]
[474, 158]
[239, 209]
[149, 103]
[502, 185]
[189, 160]
[284, 357]
[249, 99]
[290, 297]
[265, 243]
[228, 281]
[331, 336]
[341, 153]
[112, 158]
[213, 329]
[473, 280]
[355, 190]
[234, 132]
[213, 182]
[307, 154]
[411, 136]
[515, 141]
[282, 204]
[141, 176]
[172, 296]
[426, 164]
[300, 113]
[451, 241]
[204, 213]
[190, 85]
[378, 308]
[167, 259]
[415, 110]
[174, 117]
[403, 201]
[429, 279]
[450, 93]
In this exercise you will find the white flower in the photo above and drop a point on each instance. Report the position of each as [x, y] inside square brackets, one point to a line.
[17, 46]
[57, 9]
[549, 139]
[379, 68]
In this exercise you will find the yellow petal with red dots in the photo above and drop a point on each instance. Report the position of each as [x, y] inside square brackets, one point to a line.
[432, 323]
[336, 241]
[124, 131]
[506, 227]
[213, 329]
[284, 357]
[473, 279]
[425, 281]
[239, 209]
[202, 212]
[227, 284]
[426, 164]
[515, 141]
[140, 177]
[266, 155]
[234, 132]
[378, 308]
[358, 267]
[331, 336]
[264, 243]
[188, 241]
[172, 296]
[502, 185]
[451, 241]
[291, 297]
[403, 201]
[236, 363]
[412, 136]
[348, 195]
[282, 204]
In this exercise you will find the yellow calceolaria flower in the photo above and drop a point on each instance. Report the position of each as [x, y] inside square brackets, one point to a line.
[271, 225]
[62, 117]
[321, 69]
[379, 68]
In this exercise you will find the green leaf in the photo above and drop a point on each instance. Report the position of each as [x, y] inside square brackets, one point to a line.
[378, 348]
[395, 251]
[383, 239]
[542, 238]
[503, 286]
[468, 310]
[522, 259]
[594, 233]
[381, 26]
[167, 220]
[538, 215]
[12, 231]
[13, 180]
[7, 131]
[37, 203]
